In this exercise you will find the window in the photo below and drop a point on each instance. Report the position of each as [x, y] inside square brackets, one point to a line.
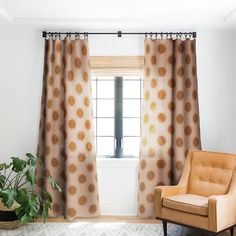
[117, 110]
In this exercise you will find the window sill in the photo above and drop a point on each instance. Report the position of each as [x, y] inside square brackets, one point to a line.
[106, 162]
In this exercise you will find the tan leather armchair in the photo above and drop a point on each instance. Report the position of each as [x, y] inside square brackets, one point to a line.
[205, 196]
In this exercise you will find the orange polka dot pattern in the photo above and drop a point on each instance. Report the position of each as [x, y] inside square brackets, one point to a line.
[170, 117]
[66, 138]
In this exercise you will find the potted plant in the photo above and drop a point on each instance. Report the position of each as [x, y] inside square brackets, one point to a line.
[20, 203]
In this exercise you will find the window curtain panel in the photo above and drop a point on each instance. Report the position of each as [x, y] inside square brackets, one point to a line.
[170, 116]
[66, 137]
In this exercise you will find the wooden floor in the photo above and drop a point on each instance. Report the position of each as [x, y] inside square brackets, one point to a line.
[128, 219]
[173, 230]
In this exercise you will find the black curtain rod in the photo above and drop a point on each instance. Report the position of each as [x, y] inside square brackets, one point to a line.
[120, 33]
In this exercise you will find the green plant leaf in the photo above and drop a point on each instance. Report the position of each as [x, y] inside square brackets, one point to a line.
[30, 177]
[47, 201]
[19, 212]
[26, 218]
[22, 197]
[30, 206]
[4, 166]
[8, 197]
[2, 181]
[54, 184]
[31, 159]
[44, 214]
[46, 207]
[33, 206]
[18, 165]
[47, 197]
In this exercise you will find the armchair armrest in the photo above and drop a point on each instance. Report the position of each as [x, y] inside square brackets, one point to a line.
[222, 208]
[164, 191]
[221, 211]
[180, 188]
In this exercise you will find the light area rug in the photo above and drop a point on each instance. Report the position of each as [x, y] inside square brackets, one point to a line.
[89, 229]
[101, 229]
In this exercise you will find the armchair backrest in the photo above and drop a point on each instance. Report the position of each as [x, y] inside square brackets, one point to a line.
[210, 173]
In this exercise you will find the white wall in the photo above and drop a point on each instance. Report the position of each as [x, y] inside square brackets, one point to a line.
[21, 61]
[217, 82]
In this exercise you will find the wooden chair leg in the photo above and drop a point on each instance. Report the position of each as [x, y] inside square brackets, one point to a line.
[232, 231]
[164, 224]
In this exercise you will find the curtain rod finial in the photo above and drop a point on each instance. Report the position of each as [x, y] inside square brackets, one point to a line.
[194, 35]
[44, 33]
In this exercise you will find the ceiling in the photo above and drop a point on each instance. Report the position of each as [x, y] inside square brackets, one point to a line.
[97, 15]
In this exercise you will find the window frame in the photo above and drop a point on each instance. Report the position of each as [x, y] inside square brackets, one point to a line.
[118, 66]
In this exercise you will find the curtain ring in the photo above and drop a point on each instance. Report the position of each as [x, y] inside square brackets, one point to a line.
[150, 35]
[146, 35]
[77, 36]
[85, 35]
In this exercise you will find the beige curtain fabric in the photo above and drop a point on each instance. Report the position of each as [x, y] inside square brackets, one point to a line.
[66, 138]
[170, 116]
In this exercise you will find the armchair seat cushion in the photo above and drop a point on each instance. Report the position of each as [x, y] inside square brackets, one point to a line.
[190, 203]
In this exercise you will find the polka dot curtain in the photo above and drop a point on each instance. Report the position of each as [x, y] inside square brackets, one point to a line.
[66, 137]
[170, 117]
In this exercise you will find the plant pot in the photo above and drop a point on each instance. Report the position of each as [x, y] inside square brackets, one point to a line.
[8, 218]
